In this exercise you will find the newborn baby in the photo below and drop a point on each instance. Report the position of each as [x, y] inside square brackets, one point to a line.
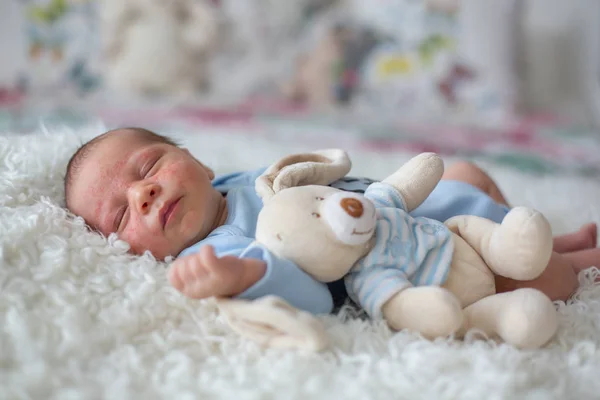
[157, 197]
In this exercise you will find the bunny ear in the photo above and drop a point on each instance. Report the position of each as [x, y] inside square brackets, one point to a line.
[272, 322]
[318, 168]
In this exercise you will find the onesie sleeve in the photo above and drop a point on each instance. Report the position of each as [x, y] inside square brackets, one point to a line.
[385, 195]
[224, 183]
[452, 198]
[282, 278]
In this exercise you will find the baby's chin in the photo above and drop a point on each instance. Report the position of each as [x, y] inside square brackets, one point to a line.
[190, 231]
[178, 239]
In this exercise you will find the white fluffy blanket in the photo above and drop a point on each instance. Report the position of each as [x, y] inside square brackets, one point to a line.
[81, 319]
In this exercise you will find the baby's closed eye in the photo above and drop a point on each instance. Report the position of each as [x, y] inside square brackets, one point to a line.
[148, 167]
[120, 219]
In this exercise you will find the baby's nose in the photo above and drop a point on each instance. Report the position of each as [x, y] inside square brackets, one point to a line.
[352, 206]
[144, 196]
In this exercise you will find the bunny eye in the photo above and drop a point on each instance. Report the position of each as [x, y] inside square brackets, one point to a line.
[279, 237]
[316, 215]
[320, 198]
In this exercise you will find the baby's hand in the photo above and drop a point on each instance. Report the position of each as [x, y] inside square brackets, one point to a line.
[203, 274]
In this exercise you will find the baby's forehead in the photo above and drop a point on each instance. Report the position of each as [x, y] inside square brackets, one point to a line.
[106, 159]
[119, 143]
[115, 152]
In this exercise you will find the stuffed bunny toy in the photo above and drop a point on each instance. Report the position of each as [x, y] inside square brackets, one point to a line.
[416, 273]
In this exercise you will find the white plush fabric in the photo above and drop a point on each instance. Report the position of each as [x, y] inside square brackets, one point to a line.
[81, 319]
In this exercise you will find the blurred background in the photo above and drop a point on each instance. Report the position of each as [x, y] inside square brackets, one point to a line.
[513, 81]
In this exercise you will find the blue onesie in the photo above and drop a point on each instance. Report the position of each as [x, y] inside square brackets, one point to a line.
[283, 278]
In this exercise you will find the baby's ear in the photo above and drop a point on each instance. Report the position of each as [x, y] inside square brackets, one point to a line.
[209, 171]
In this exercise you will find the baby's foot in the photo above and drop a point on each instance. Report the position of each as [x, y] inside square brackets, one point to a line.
[585, 238]
[589, 236]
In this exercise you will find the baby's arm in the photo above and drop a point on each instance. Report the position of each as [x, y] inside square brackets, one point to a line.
[246, 270]
[201, 275]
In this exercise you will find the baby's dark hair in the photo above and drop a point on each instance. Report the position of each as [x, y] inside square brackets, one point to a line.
[84, 150]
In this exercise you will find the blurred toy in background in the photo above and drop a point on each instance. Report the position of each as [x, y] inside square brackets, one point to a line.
[10, 97]
[356, 46]
[445, 6]
[458, 74]
[399, 74]
[558, 51]
[59, 37]
[159, 47]
[400, 56]
[84, 80]
[352, 58]
[330, 74]
[258, 42]
[45, 32]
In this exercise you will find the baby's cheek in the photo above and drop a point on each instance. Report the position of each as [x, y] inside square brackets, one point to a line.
[187, 173]
[140, 238]
[191, 223]
[107, 191]
[175, 173]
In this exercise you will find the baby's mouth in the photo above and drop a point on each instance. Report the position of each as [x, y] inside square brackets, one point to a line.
[167, 211]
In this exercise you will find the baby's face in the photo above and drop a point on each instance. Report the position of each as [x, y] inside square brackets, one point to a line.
[155, 196]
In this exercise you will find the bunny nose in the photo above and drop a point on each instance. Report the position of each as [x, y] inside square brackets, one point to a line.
[351, 217]
[352, 206]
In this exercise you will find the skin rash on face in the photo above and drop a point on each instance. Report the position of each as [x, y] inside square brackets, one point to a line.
[155, 196]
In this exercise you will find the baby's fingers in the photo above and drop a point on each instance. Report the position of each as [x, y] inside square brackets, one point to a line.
[174, 275]
[186, 270]
[208, 257]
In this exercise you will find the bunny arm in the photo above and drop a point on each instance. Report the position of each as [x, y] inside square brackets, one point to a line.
[416, 179]
[518, 248]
